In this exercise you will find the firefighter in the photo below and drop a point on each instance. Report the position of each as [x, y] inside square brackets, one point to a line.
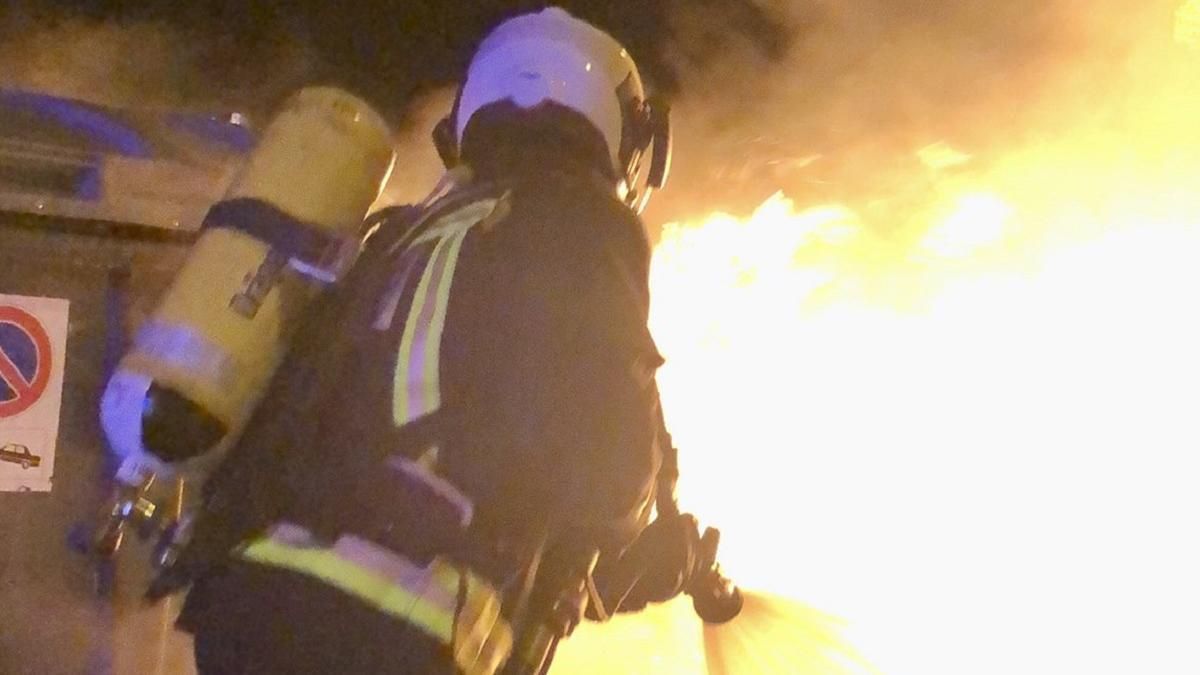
[478, 398]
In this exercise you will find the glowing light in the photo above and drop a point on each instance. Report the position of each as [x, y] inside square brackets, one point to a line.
[969, 430]
[1187, 24]
[1000, 448]
[977, 221]
[985, 464]
[942, 155]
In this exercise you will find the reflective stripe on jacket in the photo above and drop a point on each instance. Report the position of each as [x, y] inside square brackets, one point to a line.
[447, 602]
[520, 308]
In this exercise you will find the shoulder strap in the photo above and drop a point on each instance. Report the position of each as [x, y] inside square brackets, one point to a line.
[248, 486]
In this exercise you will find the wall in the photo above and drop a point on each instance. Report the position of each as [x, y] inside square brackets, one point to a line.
[51, 618]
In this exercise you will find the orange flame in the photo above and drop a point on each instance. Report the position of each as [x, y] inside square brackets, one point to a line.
[972, 438]
[999, 458]
[969, 432]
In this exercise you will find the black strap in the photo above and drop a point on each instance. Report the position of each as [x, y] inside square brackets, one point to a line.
[249, 487]
[266, 222]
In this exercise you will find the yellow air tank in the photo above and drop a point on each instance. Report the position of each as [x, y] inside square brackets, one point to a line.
[287, 227]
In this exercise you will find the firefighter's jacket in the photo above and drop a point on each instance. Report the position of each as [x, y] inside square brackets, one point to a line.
[487, 366]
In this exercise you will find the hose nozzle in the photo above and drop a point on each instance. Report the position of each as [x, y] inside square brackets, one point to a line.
[715, 597]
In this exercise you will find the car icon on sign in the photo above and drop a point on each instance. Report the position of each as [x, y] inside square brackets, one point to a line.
[19, 454]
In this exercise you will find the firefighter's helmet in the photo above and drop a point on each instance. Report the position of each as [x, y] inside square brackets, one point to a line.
[551, 56]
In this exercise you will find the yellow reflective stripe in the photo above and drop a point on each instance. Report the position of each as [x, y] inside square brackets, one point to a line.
[479, 637]
[379, 591]
[427, 319]
[401, 381]
[433, 334]
[482, 637]
[455, 221]
[417, 381]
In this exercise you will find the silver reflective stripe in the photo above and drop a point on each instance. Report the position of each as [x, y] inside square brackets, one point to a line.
[442, 487]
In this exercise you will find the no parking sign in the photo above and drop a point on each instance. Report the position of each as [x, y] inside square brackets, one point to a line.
[33, 340]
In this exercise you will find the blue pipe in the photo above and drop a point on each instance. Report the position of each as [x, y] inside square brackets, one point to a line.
[82, 117]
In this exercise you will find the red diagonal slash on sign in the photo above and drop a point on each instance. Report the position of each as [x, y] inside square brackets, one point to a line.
[13, 377]
[26, 392]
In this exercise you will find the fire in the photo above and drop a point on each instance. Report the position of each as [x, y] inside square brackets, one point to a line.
[978, 220]
[973, 438]
[1008, 458]
[1187, 24]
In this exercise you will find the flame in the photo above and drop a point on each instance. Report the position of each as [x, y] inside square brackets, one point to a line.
[1009, 459]
[1187, 24]
[977, 221]
[972, 436]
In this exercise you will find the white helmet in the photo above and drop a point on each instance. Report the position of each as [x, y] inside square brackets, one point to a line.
[551, 56]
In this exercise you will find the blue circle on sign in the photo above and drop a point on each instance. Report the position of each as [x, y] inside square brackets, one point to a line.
[21, 351]
[26, 372]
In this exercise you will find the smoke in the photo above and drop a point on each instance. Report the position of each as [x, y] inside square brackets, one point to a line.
[861, 86]
[835, 100]
[829, 100]
[985, 506]
[975, 451]
[145, 63]
[418, 166]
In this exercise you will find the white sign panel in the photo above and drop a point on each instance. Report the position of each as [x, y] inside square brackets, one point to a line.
[33, 348]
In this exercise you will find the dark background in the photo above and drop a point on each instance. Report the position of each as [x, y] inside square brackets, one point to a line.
[826, 100]
[390, 49]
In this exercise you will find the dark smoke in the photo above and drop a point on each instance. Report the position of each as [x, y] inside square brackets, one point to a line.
[827, 99]
[144, 63]
[861, 85]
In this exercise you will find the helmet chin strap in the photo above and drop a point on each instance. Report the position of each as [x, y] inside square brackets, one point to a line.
[445, 142]
[639, 200]
[658, 142]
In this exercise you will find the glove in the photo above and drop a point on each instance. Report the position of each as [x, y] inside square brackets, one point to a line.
[655, 568]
